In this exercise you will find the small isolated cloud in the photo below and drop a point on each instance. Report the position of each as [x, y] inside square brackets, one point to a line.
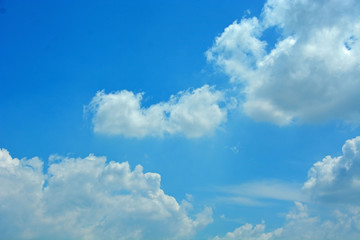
[193, 113]
[88, 198]
[337, 179]
[312, 73]
[234, 149]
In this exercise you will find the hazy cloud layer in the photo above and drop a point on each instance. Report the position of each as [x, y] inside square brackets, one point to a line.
[193, 113]
[88, 198]
[313, 71]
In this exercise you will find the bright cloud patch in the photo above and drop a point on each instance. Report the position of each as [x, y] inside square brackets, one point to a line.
[192, 113]
[88, 199]
[311, 74]
[338, 178]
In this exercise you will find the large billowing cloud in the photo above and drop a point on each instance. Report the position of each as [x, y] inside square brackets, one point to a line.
[311, 74]
[88, 198]
[191, 113]
[334, 188]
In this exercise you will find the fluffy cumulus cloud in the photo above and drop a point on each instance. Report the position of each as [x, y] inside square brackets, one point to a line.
[192, 113]
[312, 72]
[88, 198]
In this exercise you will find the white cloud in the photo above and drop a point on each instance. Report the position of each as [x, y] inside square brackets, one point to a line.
[312, 72]
[338, 178]
[88, 198]
[192, 113]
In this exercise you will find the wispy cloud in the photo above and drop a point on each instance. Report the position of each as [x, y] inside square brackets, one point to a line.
[260, 192]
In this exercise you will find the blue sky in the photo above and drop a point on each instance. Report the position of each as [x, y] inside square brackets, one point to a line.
[247, 111]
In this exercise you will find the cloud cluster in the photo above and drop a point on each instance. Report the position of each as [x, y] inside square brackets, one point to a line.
[88, 198]
[334, 188]
[337, 179]
[192, 113]
[301, 224]
[250, 232]
[312, 72]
